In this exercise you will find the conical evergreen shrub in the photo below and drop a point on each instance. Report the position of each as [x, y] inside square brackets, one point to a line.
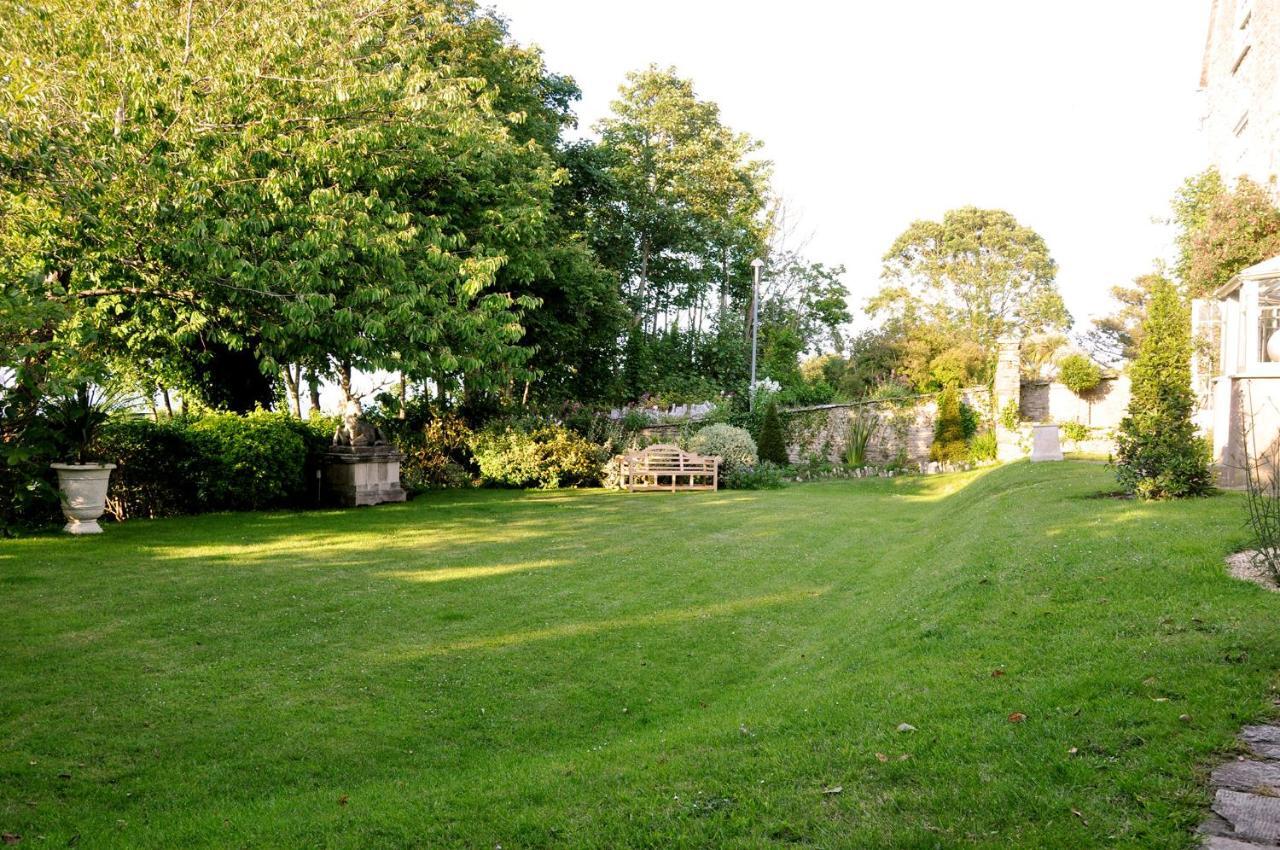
[1158, 453]
[772, 445]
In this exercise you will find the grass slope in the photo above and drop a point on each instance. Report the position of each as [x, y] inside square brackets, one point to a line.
[590, 669]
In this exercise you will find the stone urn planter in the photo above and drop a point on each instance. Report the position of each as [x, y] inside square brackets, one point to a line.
[83, 487]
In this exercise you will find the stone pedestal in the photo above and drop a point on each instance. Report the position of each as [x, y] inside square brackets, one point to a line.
[1046, 443]
[362, 475]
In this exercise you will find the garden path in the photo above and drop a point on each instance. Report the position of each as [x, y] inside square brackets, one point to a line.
[1246, 799]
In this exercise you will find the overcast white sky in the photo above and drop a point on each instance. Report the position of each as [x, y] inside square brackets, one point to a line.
[1081, 118]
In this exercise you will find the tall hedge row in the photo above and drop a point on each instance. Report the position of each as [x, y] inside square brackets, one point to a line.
[217, 462]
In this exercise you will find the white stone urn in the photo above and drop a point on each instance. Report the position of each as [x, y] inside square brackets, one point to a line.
[83, 487]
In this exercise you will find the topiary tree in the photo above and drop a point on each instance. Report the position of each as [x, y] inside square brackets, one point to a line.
[949, 443]
[1158, 453]
[772, 445]
[1079, 374]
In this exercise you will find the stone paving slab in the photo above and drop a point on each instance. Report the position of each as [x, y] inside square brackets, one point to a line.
[1246, 802]
[1217, 842]
[1253, 817]
[1257, 777]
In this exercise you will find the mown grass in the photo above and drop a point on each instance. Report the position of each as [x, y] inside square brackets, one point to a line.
[590, 669]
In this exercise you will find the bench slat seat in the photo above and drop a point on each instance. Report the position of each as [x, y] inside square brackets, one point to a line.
[643, 470]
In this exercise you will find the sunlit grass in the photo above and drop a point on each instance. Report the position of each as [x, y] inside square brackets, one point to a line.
[589, 669]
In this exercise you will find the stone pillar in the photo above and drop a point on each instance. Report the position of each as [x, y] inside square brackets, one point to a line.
[1008, 390]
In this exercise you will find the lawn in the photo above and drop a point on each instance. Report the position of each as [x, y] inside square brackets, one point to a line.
[593, 669]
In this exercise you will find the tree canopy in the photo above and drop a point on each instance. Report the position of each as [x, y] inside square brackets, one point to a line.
[977, 270]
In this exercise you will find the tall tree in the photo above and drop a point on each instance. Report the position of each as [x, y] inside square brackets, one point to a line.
[180, 177]
[977, 270]
[1221, 230]
[1117, 336]
[690, 194]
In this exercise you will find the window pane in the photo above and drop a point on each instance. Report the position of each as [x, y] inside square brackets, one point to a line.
[1269, 323]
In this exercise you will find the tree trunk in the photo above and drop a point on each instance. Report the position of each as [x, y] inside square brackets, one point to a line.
[313, 385]
[644, 277]
[344, 381]
[291, 380]
[168, 405]
[724, 282]
[403, 395]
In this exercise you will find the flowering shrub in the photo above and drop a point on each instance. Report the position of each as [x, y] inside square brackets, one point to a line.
[734, 446]
[763, 476]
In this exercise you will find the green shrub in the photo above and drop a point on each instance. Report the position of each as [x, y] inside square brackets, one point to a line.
[1158, 453]
[1011, 415]
[969, 420]
[158, 470]
[949, 443]
[1078, 373]
[983, 446]
[546, 456]
[250, 462]
[734, 446]
[437, 456]
[316, 432]
[773, 445]
[1075, 432]
[763, 476]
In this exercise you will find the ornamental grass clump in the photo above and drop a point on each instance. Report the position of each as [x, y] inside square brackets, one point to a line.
[1158, 453]
[862, 427]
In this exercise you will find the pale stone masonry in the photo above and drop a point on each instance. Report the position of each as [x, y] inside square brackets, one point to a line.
[1240, 78]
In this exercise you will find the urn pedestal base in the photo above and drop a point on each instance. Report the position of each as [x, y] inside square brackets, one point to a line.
[362, 475]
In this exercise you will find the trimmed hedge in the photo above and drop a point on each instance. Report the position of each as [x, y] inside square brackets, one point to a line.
[157, 468]
[221, 461]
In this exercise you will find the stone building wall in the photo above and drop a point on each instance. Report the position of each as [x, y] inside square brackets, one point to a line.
[1240, 78]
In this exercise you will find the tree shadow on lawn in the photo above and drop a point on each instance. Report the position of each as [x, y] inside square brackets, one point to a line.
[635, 649]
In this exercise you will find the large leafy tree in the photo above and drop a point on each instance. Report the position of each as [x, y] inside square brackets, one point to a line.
[1221, 230]
[689, 196]
[978, 271]
[335, 185]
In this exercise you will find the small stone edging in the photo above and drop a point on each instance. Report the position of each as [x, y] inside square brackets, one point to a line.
[1246, 792]
[1246, 795]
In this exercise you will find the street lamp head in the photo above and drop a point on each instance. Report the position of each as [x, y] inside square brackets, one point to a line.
[757, 263]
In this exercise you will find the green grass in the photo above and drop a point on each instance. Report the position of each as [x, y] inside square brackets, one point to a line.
[591, 669]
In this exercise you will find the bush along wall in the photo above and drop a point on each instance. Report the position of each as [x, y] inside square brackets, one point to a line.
[221, 461]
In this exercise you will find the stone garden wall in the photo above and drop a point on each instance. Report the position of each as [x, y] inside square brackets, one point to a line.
[903, 429]
[1101, 408]
[824, 430]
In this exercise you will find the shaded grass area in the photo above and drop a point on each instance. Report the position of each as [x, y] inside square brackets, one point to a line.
[591, 669]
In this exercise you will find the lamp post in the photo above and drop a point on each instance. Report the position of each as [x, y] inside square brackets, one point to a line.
[756, 264]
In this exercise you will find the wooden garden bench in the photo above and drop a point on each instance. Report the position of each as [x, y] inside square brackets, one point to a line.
[645, 469]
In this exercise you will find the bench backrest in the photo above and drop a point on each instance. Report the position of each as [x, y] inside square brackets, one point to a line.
[667, 456]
